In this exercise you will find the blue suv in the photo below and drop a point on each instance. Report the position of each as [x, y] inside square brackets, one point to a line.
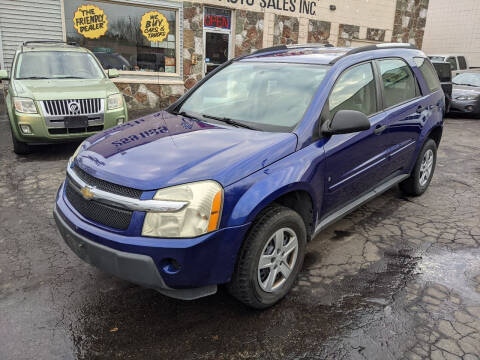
[229, 184]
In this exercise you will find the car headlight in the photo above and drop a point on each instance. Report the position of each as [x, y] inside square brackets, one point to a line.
[24, 105]
[200, 216]
[115, 101]
[79, 148]
[466, 97]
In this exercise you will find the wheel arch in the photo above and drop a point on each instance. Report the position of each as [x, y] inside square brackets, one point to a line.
[296, 196]
[435, 134]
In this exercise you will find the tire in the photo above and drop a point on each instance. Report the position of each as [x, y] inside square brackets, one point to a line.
[418, 181]
[19, 147]
[253, 286]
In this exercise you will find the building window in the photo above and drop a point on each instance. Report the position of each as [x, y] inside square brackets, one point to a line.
[125, 37]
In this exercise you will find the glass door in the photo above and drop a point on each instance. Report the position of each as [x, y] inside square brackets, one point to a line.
[216, 49]
[217, 28]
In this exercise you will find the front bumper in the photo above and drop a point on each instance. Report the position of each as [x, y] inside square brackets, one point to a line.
[465, 106]
[40, 133]
[136, 268]
[203, 262]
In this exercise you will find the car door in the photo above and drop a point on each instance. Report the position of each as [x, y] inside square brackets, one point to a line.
[354, 162]
[405, 112]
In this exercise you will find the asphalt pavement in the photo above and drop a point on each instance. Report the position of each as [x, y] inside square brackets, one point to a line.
[398, 278]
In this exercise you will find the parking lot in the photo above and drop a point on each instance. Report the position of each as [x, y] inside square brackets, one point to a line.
[398, 278]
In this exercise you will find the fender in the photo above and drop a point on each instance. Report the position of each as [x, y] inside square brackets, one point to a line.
[301, 170]
[13, 124]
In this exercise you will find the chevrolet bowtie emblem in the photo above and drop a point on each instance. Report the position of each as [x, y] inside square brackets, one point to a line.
[87, 192]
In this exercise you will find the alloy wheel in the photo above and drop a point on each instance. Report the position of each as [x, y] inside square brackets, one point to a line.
[426, 167]
[277, 260]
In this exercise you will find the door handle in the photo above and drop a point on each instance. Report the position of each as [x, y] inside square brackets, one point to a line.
[379, 129]
[421, 109]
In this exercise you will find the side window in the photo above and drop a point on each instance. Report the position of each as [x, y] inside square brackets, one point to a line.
[429, 73]
[462, 63]
[399, 84]
[354, 90]
[453, 63]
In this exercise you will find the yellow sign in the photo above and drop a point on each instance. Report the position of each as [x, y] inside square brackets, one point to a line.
[154, 26]
[90, 21]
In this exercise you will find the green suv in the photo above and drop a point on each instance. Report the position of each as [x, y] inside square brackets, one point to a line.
[59, 92]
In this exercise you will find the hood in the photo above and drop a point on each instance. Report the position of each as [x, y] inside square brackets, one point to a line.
[52, 89]
[465, 90]
[162, 150]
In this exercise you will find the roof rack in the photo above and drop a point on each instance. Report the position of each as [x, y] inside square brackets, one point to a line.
[46, 42]
[375, 47]
[26, 43]
[292, 46]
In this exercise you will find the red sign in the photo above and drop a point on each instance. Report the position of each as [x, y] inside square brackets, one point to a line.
[218, 21]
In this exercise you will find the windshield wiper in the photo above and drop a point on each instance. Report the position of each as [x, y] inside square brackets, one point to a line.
[70, 77]
[229, 121]
[186, 114]
[461, 84]
[33, 78]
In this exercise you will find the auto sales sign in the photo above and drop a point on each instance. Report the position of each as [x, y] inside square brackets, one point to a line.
[90, 21]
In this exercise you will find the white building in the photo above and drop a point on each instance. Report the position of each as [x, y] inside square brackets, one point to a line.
[453, 27]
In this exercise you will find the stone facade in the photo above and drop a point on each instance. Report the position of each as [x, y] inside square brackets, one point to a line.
[192, 43]
[146, 98]
[286, 30]
[375, 34]
[347, 33]
[410, 21]
[318, 31]
[248, 31]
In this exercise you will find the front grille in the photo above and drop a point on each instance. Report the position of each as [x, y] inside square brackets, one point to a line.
[72, 107]
[63, 131]
[100, 213]
[107, 186]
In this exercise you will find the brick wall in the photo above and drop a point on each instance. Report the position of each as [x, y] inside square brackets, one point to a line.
[410, 20]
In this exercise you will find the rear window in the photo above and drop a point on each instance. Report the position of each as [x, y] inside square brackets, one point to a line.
[429, 73]
[462, 63]
[399, 84]
[452, 62]
[437, 58]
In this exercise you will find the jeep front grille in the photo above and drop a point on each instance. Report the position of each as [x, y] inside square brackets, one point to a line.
[72, 107]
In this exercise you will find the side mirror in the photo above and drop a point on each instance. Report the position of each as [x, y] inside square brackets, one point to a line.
[346, 122]
[113, 73]
[4, 75]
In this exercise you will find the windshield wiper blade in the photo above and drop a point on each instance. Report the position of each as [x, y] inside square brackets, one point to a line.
[462, 84]
[70, 77]
[33, 78]
[186, 114]
[229, 121]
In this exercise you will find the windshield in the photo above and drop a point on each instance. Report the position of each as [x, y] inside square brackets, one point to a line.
[265, 96]
[57, 65]
[437, 58]
[470, 79]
